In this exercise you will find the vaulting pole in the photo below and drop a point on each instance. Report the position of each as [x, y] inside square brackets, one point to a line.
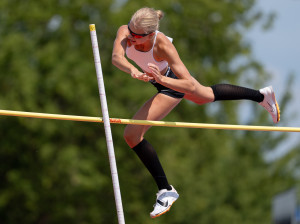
[108, 134]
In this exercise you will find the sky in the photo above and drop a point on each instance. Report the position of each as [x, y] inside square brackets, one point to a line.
[278, 50]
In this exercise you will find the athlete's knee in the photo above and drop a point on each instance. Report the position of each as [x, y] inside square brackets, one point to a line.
[131, 136]
[127, 135]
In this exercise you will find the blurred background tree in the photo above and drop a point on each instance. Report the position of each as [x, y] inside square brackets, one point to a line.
[58, 171]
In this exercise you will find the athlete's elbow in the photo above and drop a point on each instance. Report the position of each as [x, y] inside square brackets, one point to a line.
[115, 59]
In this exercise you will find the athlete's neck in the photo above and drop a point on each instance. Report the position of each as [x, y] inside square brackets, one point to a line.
[147, 46]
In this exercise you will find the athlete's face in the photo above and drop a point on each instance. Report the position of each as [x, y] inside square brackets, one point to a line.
[137, 35]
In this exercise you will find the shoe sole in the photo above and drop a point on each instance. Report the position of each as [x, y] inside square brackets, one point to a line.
[277, 106]
[168, 209]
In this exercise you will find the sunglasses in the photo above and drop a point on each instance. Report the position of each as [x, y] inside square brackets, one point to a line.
[135, 35]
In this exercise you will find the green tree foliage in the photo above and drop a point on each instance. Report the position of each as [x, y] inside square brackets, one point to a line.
[58, 171]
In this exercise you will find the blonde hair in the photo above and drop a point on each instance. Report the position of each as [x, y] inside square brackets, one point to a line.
[147, 19]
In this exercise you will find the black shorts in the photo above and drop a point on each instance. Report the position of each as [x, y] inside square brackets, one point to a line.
[165, 90]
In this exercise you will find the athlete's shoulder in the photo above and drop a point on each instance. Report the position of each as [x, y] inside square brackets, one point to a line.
[121, 39]
[163, 42]
[123, 31]
[122, 34]
[163, 38]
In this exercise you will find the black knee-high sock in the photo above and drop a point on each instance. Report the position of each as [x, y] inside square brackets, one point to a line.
[148, 156]
[231, 92]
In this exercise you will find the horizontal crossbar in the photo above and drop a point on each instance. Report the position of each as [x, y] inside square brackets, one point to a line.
[147, 122]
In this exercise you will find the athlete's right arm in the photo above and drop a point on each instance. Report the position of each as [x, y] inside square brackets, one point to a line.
[118, 55]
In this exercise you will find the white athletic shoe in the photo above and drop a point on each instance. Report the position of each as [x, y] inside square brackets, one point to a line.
[270, 103]
[164, 201]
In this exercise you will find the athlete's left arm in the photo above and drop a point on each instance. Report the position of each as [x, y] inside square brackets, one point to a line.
[166, 51]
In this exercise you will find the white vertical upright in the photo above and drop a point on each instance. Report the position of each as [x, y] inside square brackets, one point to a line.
[109, 141]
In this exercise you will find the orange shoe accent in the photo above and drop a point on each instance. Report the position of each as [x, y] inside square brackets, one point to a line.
[163, 212]
[278, 109]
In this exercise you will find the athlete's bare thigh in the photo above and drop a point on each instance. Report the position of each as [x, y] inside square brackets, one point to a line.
[155, 109]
